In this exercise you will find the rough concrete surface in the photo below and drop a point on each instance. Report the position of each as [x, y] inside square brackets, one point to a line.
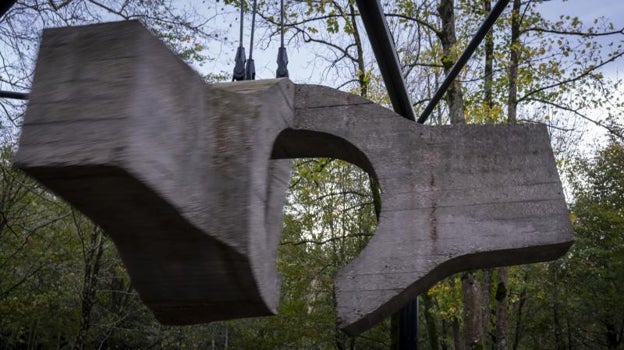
[176, 171]
[453, 198]
[189, 179]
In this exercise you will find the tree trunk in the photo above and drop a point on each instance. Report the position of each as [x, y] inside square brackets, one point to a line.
[501, 308]
[432, 329]
[32, 336]
[556, 304]
[514, 58]
[394, 330]
[503, 272]
[521, 301]
[454, 96]
[361, 72]
[612, 335]
[93, 259]
[457, 338]
[473, 326]
[444, 343]
[486, 297]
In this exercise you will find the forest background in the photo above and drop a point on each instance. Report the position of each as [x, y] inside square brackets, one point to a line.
[62, 284]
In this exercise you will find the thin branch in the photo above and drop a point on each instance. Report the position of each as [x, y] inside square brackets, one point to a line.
[571, 79]
[419, 21]
[333, 239]
[547, 124]
[109, 9]
[575, 33]
[612, 131]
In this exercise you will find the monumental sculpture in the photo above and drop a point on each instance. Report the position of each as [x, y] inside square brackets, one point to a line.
[189, 179]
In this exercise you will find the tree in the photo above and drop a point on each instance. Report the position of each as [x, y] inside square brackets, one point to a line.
[594, 269]
[572, 302]
[54, 261]
[183, 28]
[529, 70]
[329, 218]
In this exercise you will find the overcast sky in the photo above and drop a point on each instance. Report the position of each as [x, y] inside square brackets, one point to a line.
[301, 58]
[586, 9]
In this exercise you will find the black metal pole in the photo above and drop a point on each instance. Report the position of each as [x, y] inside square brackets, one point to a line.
[383, 46]
[386, 55]
[5, 6]
[408, 326]
[463, 59]
[13, 95]
[387, 59]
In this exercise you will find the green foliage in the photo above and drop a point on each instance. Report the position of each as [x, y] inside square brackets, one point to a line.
[595, 265]
[329, 218]
[575, 302]
[45, 254]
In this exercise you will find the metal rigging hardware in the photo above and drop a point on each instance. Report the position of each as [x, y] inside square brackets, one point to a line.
[282, 57]
[250, 68]
[239, 66]
[383, 47]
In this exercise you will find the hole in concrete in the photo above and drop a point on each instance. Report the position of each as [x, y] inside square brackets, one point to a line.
[329, 217]
[331, 202]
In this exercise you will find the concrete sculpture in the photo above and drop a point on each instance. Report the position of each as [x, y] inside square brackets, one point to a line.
[189, 179]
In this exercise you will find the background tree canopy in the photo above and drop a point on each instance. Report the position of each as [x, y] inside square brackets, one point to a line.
[62, 284]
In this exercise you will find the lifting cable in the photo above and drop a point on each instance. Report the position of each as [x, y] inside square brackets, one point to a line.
[282, 57]
[244, 68]
[250, 68]
[239, 66]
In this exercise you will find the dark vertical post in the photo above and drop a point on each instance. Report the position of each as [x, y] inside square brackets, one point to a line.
[408, 326]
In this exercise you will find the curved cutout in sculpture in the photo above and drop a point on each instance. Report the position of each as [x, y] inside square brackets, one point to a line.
[179, 173]
[302, 143]
[453, 198]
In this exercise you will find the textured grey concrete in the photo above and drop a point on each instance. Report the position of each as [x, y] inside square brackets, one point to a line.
[176, 171]
[189, 179]
[453, 198]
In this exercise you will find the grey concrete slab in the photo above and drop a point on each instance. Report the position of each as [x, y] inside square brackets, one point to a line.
[453, 198]
[177, 172]
[189, 179]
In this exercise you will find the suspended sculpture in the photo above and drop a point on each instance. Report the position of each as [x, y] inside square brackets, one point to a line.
[189, 179]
